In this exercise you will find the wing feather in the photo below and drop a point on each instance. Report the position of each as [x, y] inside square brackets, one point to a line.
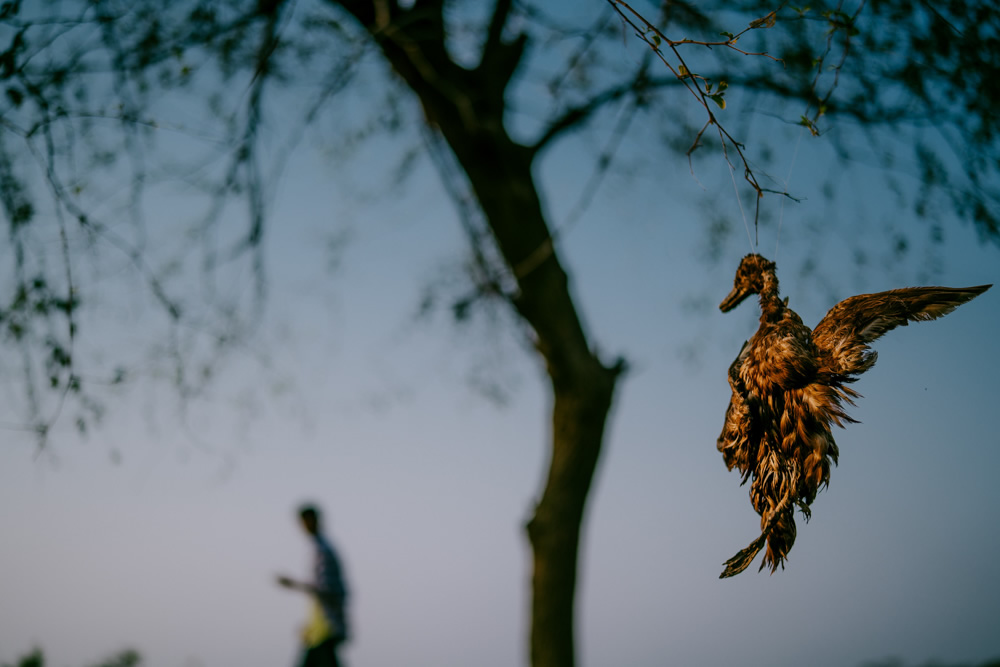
[844, 333]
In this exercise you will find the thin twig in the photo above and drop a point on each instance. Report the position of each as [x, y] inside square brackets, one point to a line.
[699, 86]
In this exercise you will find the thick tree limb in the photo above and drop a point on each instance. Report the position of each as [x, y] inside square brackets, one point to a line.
[500, 59]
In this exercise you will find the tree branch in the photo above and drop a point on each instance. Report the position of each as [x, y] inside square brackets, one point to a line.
[494, 35]
[579, 114]
[500, 59]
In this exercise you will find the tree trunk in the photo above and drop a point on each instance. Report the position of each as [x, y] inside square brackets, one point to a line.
[578, 418]
[467, 106]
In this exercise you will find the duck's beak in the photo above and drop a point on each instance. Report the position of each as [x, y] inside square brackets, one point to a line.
[734, 299]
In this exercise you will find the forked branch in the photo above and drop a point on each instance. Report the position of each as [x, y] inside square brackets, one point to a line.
[700, 87]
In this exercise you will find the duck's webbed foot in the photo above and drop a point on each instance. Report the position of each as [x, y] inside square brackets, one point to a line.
[805, 509]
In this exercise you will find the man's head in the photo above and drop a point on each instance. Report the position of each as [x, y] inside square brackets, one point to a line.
[310, 517]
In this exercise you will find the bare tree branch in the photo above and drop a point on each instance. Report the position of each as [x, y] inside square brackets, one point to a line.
[639, 85]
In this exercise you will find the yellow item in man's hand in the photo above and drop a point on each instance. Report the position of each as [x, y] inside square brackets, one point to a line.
[317, 628]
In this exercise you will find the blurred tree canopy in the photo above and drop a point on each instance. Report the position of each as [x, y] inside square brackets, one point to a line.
[126, 658]
[130, 658]
[896, 662]
[108, 102]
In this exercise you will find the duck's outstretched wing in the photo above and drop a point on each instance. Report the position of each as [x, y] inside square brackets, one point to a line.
[842, 336]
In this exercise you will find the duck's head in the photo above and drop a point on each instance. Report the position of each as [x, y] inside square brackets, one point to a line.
[754, 273]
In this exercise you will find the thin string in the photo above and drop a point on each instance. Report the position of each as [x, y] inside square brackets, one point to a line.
[791, 169]
[736, 189]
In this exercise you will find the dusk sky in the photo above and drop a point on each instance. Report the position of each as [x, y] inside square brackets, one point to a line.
[164, 532]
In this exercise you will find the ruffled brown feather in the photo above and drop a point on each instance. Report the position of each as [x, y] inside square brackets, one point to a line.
[789, 386]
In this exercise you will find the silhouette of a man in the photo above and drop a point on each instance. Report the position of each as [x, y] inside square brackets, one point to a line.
[327, 625]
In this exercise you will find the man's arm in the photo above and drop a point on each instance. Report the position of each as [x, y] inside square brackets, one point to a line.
[288, 582]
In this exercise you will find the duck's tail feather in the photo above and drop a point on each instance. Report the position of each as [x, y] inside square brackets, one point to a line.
[777, 531]
[743, 558]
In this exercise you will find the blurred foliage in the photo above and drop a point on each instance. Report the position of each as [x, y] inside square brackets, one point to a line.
[125, 658]
[896, 662]
[105, 101]
[130, 658]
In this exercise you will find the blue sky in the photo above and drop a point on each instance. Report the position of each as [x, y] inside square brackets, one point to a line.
[427, 484]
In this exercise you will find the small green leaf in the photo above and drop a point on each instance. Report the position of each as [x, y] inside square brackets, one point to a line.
[683, 71]
[808, 122]
[718, 99]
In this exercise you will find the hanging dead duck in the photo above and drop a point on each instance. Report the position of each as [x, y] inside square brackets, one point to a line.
[789, 385]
